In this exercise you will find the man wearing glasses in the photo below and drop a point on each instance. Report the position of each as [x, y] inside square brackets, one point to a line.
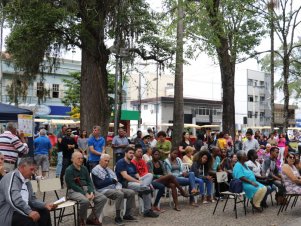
[68, 145]
[271, 171]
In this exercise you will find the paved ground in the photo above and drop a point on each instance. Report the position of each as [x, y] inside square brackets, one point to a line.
[203, 215]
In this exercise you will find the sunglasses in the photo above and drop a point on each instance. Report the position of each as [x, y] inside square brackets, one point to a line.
[69, 131]
[291, 157]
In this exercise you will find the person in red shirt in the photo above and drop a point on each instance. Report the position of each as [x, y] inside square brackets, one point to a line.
[139, 162]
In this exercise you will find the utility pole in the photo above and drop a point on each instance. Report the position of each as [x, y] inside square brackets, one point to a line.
[139, 99]
[157, 96]
[116, 97]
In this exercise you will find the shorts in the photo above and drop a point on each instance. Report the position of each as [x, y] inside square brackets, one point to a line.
[43, 161]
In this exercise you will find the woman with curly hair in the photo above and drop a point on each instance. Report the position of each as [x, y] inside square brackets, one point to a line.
[202, 164]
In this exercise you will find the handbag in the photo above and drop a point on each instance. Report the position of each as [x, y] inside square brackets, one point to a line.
[236, 186]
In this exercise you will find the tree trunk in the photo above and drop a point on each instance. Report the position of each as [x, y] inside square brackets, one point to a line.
[227, 69]
[94, 101]
[178, 112]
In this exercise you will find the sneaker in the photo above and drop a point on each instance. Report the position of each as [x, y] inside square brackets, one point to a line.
[150, 213]
[129, 218]
[118, 221]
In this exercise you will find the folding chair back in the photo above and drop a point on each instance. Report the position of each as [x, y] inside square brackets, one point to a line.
[186, 167]
[52, 184]
[221, 177]
[34, 185]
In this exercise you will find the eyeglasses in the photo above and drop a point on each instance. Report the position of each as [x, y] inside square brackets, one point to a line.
[69, 131]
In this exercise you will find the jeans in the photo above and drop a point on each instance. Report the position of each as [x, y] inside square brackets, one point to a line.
[59, 164]
[161, 189]
[146, 181]
[184, 181]
[208, 183]
[66, 163]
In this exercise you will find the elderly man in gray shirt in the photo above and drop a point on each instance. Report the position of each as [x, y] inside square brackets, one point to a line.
[119, 143]
[250, 143]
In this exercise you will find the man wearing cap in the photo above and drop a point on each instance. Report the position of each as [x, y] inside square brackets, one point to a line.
[144, 142]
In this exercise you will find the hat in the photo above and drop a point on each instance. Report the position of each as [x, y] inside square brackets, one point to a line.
[145, 135]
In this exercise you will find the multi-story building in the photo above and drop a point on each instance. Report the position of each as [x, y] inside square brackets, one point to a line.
[258, 98]
[196, 111]
[279, 113]
[52, 82]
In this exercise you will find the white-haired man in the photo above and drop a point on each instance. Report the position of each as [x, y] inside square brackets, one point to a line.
[105, 181]
[81, 189]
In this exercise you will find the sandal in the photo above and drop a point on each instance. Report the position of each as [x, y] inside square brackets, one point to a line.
[157, 209]
[177, 209]
[194, 204]
[194, 192]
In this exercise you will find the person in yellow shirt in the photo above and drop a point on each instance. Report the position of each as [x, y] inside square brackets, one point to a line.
[221, 141]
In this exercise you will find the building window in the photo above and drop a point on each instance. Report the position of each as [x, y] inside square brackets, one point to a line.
[145, 107]
[169, 85]
[249, 114]
[55, 90]
[262, 84]
[255, 83]
[256, 99]
[40, 89]
[262, 99]
[250, 82]
[256, 114]
[250, 98]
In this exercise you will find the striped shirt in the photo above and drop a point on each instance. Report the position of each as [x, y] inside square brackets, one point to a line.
[11, 146]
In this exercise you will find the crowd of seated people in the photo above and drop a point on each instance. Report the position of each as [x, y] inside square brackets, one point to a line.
[262, 165]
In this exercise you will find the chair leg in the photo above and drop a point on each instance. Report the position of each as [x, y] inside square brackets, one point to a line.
[235, 200]
[289, 200]
[44, 194]
[245, 208]
[56, 195]
[272, 199]
[54, 217]
[295, 201]
[74, 216]
[215, 206]
[226, 203]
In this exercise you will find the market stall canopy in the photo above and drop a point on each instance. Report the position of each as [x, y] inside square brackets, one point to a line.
[10, 112]
[67, 122]
[60, 121]
[186, 125]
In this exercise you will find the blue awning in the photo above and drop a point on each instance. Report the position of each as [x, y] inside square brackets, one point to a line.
[60, 110]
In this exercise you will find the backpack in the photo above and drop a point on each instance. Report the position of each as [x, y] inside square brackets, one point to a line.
[235, 186]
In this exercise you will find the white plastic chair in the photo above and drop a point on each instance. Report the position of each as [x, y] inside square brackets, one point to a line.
[34, 185]
[52, 185]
